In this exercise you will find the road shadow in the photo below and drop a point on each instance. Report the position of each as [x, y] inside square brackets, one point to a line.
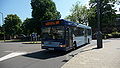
[90, 49]
[45, 54]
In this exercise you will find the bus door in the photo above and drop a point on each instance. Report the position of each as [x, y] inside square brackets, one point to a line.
[69, 37]
[85, 35]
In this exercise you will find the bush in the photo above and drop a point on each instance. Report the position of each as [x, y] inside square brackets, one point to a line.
[114, 35]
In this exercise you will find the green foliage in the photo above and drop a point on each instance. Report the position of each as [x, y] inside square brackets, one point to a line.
[113, 35]
[92, 18]
[108, 15]
[12, 24]
[118, 15]
[43, 10]
[79, 14]
[28, 26]
[82, 15]
[1, 30]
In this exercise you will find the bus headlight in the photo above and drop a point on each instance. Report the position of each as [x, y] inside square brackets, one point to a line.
[62, 45]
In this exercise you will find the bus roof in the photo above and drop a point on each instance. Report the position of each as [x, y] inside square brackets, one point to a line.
[69, 23]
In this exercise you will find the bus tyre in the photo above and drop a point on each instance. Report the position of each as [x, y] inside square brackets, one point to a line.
[74, 45]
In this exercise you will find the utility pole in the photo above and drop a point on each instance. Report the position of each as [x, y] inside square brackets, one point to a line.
[99, 33]
[3, 27]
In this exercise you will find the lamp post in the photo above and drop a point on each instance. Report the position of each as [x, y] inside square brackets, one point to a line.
[99, 33]
[3, 27]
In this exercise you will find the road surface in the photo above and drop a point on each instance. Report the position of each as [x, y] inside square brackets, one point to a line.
[19, 55]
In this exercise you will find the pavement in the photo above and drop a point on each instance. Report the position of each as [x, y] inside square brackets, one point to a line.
[106, 57]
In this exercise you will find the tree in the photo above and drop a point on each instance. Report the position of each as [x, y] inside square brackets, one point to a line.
[79, 14]
[43, 10]
[28, 26]
[1, 30]
[108, 15]
[12, 24]
[93, 19]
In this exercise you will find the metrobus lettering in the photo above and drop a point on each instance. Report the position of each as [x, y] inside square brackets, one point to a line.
[52, 23]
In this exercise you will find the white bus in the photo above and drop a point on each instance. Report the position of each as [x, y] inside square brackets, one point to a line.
[64, 35]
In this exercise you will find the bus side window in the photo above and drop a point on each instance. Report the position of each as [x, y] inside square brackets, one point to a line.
[75, 31]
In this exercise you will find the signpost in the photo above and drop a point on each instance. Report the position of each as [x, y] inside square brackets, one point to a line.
[3, 27]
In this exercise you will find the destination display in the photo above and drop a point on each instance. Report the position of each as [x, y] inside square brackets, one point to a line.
[52, 23]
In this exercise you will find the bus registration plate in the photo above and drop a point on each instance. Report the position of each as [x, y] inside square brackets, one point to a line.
[50, 48]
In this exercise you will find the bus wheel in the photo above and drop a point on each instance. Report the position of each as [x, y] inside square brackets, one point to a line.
[74, 45]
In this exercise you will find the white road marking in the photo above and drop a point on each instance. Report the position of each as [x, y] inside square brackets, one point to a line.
[11, 55]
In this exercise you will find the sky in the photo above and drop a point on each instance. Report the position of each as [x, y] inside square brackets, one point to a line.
[64, 6]
[23, 8]
[20, 7]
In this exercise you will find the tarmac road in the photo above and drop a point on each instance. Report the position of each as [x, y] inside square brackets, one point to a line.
[18, 55]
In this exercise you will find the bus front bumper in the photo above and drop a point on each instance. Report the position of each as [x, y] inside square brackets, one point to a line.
[54, 48]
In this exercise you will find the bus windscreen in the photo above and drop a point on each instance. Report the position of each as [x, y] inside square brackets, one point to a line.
[56, 32]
